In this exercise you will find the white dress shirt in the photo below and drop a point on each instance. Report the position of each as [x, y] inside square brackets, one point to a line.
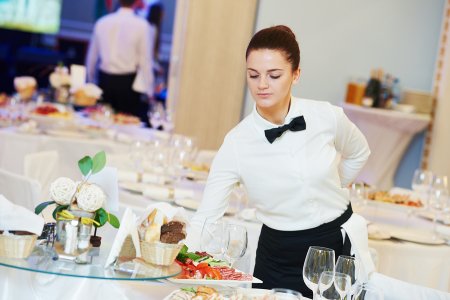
[122, 44]
[299, 181]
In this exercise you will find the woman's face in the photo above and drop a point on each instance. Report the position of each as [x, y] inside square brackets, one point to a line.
[270, 78]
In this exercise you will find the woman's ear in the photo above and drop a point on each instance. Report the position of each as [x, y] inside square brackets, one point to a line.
[296, 75]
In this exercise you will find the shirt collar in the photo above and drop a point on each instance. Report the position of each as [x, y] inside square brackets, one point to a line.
[262, 124]
[125, 10]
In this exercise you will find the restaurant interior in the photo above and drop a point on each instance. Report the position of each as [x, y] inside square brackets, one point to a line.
[384, 64]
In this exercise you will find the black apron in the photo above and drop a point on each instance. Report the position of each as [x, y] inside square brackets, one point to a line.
[118, 92]
[280, 254]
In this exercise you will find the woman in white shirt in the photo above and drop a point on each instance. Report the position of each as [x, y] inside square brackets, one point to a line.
[295, 158]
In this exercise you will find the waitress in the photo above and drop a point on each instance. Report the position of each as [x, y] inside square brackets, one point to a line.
[295, 158]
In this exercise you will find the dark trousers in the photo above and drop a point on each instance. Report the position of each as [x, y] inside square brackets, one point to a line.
[118, 92]
[280, 254]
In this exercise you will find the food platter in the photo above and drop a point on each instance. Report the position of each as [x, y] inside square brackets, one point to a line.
[215, 282]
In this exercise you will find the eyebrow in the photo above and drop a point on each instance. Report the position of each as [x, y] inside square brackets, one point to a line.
[271, 70]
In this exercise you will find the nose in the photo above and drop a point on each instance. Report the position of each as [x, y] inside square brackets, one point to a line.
[262, 83]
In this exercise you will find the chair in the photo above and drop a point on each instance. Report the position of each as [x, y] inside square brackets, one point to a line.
[20, 189]
[42, 167]
[394, 289]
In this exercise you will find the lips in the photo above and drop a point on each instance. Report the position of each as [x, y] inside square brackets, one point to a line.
[264, 95]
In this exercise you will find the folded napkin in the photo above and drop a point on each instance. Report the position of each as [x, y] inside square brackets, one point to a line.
[16, 217]
[107, 179]
[377, 233]
[394, 289]
[356, 229]
[167, 193]
[131, 176]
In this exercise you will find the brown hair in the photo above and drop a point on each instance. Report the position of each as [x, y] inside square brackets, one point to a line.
[280, 38]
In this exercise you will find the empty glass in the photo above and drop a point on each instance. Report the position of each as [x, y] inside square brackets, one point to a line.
[438, 199]
[236, 241]
[364, 292]
[318, 260]
[421, 183]
[358, 195]
[212, 239]
[348, 265]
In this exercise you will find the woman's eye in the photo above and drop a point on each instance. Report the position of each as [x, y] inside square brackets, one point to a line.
[275, 76]
[253, 76]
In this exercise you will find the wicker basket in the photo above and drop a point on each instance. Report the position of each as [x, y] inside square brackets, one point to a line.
[17, 246]
[158, 253]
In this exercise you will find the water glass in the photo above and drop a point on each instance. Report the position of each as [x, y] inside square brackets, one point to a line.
[350, 266]
[421, 183]
[212, 239]
[236, 241]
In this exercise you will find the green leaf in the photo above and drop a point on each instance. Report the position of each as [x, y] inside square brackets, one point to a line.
[99, 162]
[42, 206]
[101, 216]
[113, 221]
[58, 209]
[85, 165]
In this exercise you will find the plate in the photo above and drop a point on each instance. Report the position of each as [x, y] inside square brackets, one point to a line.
[215, 282]
[193, 204]
[430, 216]
[66, 133]
[244, 293]
[415, 236]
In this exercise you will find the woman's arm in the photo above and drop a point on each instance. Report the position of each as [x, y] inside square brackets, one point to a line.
[352, 145]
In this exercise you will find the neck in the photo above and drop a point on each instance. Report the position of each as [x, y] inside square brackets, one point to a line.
[275, 115]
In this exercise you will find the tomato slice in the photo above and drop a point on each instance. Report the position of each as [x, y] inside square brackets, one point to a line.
[217, 274]
[202, 265]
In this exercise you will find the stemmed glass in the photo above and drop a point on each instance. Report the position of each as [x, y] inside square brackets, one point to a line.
[438, 199]
[236, 241]
[421, 183]
[358, 194]
[212, 239]
[138, 152]
[350, 266]
[342, 283]
[318, 259]
[325, 287]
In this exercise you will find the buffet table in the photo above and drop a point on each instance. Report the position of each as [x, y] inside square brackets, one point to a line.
[388, 133]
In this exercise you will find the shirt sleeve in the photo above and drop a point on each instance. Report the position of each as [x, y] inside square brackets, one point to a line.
[352, 145]
[92, 57]
[224, 174]
[145, 67]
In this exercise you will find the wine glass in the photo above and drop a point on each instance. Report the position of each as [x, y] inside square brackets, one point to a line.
[358, 194]
[363, 292]
[350, 266]
[318, 259]
[156, 116]
[284, 294]
[236, 241]
[421, 183]
[138, 152]
[326, 280]
[212, 239]
[438, 199]
[342, 283]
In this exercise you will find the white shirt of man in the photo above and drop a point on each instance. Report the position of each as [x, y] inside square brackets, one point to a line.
[121, 43]
[297, 182]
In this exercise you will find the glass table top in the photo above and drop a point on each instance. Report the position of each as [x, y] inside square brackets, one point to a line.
[45, 260]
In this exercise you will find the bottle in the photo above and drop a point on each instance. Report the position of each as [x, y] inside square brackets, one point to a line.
[373, 89]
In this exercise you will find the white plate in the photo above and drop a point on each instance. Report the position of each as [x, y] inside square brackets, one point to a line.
[193, 204]
[214, 282]
[415, 236]
[66, 133]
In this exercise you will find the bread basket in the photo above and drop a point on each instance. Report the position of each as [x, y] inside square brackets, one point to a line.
[158, 253]
[17, 246]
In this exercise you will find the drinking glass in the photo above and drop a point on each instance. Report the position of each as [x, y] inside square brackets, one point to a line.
[318, 259]
[438, 199]
[342, 283]
[421, 183]
[212, 239]
[363, 292]
[358, 194]
[236, 241]
[284, 294]
[350, 266]
[156, 116]
[138, 152]
[326, 280]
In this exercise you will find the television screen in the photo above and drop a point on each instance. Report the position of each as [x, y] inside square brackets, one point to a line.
[31, 15]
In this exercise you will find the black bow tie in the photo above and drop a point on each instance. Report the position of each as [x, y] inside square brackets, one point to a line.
[297, 124]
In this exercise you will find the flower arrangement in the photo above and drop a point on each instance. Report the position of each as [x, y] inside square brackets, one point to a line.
[83, 198]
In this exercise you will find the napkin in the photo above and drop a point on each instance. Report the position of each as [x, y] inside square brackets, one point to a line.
[106, 179]
[171, 212]
[16, 217]
[127, 227]
[166, 193]
[356, 228]
[131, 176]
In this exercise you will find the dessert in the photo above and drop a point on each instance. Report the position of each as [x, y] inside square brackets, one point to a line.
[87, 95]
[25, 86]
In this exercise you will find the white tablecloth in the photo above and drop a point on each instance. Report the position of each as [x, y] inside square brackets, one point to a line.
[388, 133]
